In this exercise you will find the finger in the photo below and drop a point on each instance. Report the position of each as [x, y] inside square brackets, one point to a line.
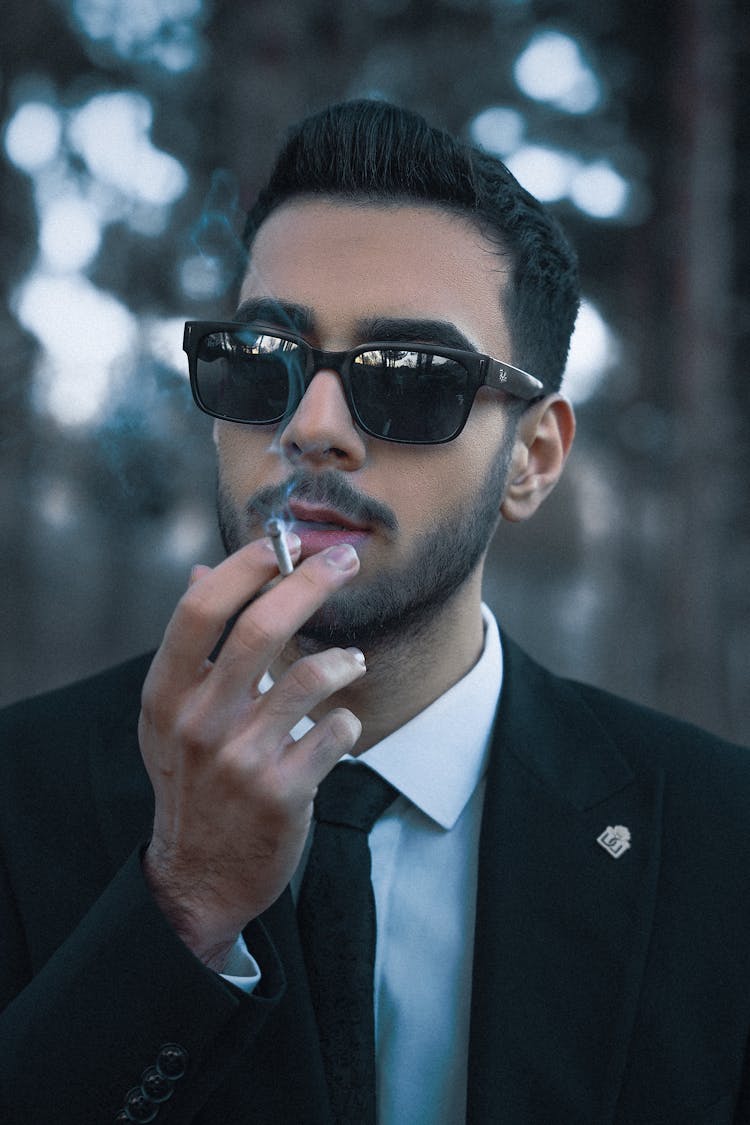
[197, 573]
[213, 596]
[325, 744]
[307, 683]
[262, 630]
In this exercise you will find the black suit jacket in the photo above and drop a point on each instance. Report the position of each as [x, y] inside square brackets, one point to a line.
[606, 991]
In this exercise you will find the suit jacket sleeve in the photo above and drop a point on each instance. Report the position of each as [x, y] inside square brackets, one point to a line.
[93, 980]
[79, 1036]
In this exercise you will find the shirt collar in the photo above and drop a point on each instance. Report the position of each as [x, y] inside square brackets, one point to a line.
[438, 758]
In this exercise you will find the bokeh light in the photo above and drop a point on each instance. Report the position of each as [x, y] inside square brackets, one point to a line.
[32, 138]
[600, 191]
[594, 350]
[552, 69]
[546, 172]
[90, 166]
[498, 129]
[111, 133]
[87, 338]
[162, 32]
[69, 234]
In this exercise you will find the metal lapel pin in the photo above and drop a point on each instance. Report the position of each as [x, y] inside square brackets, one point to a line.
[615, 840]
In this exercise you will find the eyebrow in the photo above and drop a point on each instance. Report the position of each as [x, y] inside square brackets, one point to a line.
[301, 318]
[415, 331]
[269, 310]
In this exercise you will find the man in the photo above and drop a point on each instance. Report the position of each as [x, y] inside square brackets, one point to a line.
[558, 877]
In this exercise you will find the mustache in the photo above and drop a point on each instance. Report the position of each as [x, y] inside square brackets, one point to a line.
[326, 487]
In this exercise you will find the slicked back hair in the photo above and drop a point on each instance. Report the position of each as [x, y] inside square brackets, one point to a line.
[371, 151]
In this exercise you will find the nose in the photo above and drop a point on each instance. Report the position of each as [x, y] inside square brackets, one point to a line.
[322, 431]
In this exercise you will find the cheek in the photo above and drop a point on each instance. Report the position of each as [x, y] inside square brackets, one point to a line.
[447, 480]
[426, 485]
[241, 457]
[229, 463]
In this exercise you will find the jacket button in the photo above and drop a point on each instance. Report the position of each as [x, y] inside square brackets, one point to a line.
[138, 1107]
[172, 1061]
[155, 1086]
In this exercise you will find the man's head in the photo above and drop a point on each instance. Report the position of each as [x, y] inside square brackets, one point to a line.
[337, 263]
[377, 152]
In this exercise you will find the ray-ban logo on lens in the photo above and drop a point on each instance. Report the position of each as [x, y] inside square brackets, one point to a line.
[615, 840]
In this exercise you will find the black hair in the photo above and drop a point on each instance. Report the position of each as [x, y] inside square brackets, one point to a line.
[373, 151]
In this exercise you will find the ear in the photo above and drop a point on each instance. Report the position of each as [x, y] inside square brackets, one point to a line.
[543, 439]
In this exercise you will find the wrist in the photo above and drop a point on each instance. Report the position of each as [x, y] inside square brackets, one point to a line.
[206, 934]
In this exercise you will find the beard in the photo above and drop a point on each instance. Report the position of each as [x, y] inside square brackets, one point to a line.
[393, 603]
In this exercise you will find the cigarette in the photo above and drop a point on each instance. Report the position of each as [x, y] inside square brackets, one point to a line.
[274, 529]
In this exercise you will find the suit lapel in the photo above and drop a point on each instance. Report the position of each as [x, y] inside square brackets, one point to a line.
[562, 925]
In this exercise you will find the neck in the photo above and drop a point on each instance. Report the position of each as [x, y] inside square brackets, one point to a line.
[409, 672]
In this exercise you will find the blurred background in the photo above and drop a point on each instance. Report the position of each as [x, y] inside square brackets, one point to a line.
[133, 133]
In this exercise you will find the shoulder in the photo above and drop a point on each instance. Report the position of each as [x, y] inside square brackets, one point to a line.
[51, 738]
[644, 738]
[706, 777]
[628, 720]
[647, 730]
[111, 694]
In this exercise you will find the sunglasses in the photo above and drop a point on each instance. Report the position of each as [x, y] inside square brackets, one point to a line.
[417, 394]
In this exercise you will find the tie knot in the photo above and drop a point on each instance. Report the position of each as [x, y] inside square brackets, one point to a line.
[354, 796]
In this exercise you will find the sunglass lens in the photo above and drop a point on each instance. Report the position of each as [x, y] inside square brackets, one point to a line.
[247, 376]
[410, 396]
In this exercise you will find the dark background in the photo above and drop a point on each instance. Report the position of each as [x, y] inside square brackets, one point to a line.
[635, 574]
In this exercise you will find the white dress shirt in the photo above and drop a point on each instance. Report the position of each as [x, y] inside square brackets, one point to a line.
[424, 874]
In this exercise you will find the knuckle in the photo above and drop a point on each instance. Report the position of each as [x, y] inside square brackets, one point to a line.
[192, 736]
[252, 634]
[309, 677]
[308, 571]
[315, 573]
[194, 607]
[156, 708]
[149, 706]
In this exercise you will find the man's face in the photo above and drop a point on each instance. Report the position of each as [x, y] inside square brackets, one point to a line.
[419, 516]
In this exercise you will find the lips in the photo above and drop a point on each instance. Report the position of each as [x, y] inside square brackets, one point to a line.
[322, 517]
[320, 527]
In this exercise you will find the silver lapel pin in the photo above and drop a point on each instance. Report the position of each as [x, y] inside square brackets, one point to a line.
[615, 840]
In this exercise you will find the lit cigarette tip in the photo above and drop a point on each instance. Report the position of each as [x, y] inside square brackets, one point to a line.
[275, 531]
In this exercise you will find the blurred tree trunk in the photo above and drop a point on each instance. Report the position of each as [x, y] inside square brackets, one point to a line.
[700, 184]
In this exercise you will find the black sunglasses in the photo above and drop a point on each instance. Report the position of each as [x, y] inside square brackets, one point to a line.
[418, 394]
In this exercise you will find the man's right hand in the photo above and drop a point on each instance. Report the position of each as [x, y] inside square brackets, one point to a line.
[233, 791]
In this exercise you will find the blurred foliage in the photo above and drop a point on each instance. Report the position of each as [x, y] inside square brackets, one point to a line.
[635, 575]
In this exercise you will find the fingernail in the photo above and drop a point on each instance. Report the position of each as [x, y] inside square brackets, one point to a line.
[342, 556]
[197, 571]
[358, 655]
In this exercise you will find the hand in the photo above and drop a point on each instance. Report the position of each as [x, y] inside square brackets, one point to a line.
[233, 791]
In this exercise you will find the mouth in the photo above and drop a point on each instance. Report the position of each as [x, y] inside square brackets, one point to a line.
[319, 527]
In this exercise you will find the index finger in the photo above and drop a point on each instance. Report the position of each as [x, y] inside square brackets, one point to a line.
[202, 612]
[262, 630]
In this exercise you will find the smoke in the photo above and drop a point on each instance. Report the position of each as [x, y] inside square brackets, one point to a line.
[219, 258]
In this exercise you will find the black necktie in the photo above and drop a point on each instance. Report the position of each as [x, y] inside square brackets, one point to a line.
[336, 915]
